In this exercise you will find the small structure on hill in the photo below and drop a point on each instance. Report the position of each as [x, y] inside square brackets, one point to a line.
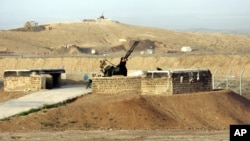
[101, 17]
[159, 82]
[32, 80]
[30, 24]
[186, 49]
[150, 50]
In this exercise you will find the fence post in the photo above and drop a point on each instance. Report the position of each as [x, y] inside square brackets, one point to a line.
[214, 79]
[227, 78]
[241, 80]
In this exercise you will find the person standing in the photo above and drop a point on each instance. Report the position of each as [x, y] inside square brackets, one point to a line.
[122, 67]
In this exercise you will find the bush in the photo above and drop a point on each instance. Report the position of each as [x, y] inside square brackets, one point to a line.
[37, 28]
[31, 26]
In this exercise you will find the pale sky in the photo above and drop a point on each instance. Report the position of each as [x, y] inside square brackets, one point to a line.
[168, 14]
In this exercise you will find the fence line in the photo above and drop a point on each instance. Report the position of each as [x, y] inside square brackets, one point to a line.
[237, 83]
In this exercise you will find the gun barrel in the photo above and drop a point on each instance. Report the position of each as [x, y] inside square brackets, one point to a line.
[131, 49]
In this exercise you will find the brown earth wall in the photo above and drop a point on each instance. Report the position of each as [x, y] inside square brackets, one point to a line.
[24, 83]
[146, 86]
[156, 86]
[189, 87]
[116, 85]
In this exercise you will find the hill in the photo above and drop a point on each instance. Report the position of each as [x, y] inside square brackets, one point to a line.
[105, 35]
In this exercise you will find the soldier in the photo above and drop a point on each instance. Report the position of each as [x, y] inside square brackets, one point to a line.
[122, 69]
[89, 84]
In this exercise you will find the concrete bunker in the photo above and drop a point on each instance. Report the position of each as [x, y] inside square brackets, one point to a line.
[32, 80]
[185, 80]
[159, 82]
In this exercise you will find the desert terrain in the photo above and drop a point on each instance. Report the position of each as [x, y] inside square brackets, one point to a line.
[108, 117]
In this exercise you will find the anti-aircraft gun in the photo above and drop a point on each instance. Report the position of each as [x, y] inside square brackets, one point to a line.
[119, 69]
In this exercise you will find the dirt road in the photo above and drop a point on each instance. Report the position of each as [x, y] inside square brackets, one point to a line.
[119, 135]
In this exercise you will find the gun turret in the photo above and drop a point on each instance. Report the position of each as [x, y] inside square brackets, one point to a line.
[119, 69]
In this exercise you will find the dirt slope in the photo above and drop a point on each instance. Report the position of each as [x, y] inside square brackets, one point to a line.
[207, 110]
[105, 35]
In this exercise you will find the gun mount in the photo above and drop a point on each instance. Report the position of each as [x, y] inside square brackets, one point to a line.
[119, 69]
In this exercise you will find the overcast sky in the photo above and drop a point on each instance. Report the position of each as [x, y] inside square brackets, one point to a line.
[168, 14]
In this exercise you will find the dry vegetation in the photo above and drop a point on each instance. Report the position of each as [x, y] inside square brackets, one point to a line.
[47, 49]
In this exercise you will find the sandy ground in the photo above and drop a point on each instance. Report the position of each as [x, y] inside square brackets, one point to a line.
[132, 117]
[119, 135]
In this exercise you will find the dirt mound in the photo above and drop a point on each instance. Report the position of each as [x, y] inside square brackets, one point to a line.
[142, 46]
[207, 110]
[72, 50]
